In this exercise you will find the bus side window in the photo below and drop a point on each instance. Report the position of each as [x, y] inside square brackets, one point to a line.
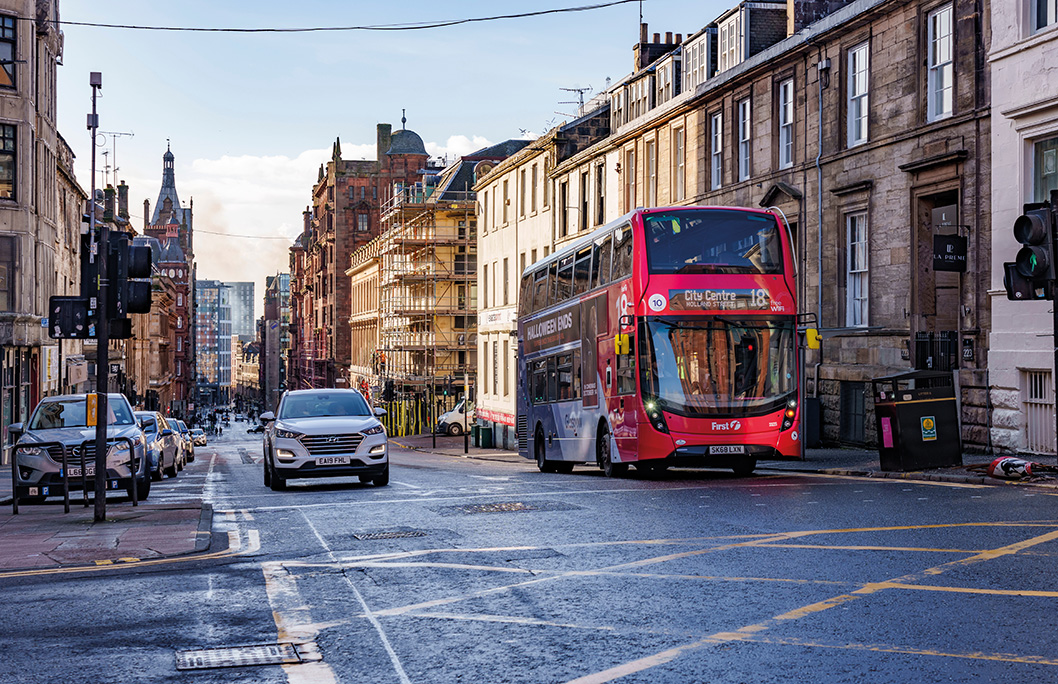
[552, 280]
[600, 266]
[552, 379]
[582, 272]
[539, 381]
[540, 289]
[626, 377]
[565, 377]
[564, 286]
[576, 374]
[622, 254]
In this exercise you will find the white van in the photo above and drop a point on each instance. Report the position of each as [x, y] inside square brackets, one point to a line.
[454, 421]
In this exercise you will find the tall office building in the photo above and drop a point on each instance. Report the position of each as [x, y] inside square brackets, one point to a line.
[242, 310]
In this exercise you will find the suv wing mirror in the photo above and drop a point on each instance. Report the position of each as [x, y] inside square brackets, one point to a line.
[268, 417]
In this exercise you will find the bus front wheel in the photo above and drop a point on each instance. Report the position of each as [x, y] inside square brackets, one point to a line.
[544, 465]
[602, 455]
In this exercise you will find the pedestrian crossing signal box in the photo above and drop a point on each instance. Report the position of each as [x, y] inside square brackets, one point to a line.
[91, 410]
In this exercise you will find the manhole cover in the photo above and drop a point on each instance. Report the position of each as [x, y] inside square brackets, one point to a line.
[507, 507]
[364, 536]
[237, 656]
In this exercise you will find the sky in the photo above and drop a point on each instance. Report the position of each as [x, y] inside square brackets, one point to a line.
[250, 117]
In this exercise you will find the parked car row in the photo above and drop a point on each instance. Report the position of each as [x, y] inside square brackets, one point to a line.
[58, 432]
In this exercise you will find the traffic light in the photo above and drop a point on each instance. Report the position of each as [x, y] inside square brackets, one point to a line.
[129, 272]
[68, 318]
[1032, 274]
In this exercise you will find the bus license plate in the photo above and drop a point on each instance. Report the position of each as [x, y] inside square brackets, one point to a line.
[332, 460]
[728, 449]
[76, 472]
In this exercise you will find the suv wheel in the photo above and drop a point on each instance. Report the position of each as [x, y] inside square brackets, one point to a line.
[383, 479]
[277, 482]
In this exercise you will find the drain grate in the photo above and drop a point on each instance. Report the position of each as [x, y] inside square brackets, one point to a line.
[507, 507]
[365, 536]
[237, 656]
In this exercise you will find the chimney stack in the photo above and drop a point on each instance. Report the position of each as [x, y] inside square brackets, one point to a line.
[123, 200]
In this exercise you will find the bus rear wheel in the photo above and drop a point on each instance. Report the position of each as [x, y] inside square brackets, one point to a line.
[744, 468]
[544, 465]
[602, 455]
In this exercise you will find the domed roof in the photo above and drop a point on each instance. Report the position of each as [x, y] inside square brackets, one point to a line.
[168, 156]
[406, 142]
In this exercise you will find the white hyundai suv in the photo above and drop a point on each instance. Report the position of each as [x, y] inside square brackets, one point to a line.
[324, 433]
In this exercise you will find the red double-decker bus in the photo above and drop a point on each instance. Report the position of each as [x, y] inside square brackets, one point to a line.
[665, 338]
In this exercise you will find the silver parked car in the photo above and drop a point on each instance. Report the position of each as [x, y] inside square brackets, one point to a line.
[324, 433]
[185, 433]
[199, 435]
[163, 445]
[60, 423]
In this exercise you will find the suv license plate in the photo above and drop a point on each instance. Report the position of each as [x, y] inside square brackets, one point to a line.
[76, 471]
[332, 460]
[728, 449]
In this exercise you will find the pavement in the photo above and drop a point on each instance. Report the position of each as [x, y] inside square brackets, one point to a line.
[43, 537]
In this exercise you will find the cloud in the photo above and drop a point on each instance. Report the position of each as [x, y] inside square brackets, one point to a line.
[248, 212]
[248, 209]
[457, 145]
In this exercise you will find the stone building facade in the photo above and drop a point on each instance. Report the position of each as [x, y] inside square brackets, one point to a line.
[343, 217]
[274, 338]
[524, 216]
[1025, 169]
[171, 233]
[868, 126]
[40, 208]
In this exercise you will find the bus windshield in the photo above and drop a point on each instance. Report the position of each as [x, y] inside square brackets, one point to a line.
[717, 366]
[712, 241]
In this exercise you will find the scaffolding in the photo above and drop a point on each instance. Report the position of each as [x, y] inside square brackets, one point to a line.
[428, 291]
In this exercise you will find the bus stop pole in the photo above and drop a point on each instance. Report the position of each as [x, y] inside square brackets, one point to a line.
[466, 405]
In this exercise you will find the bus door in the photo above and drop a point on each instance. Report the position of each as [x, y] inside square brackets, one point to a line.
[620, 351]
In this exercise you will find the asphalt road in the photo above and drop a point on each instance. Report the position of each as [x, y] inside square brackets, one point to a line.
[466, 570]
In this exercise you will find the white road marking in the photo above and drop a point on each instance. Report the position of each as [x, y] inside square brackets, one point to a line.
[363, 604]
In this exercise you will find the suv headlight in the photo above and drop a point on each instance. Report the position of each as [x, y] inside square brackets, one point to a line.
[288, 434]
[378, 429]
[32, 451]
[118, 453]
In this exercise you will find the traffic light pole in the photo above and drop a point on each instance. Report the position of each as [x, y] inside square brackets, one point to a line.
[102, 323]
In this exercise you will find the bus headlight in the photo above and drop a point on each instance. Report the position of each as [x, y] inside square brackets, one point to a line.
[789, 414]
[655, 414]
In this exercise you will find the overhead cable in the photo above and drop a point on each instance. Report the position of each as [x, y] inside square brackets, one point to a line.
[412, 26]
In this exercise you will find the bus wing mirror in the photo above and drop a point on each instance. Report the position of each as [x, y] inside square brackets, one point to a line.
[626, 321]
[620, 343]
[812, 338]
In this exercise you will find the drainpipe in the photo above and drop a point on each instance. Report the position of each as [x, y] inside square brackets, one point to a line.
[823, 68]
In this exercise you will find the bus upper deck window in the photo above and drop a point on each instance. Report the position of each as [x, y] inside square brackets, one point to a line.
[600, 264]
[525, 297]
[622, 253]
[564, 282]
[582, 271]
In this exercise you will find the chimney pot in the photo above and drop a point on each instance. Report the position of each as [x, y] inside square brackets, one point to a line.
[643, 32]
[668, 37]
[657, 37]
